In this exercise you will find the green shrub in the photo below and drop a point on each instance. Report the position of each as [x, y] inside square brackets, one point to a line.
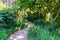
[7, 18]
[57, 24]
[32, 16]
[57, 34]
[3, 34]
[39, 33]
[7, 23]
[22, 24]
[41, 22]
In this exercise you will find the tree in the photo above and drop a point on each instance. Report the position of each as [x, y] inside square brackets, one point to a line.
[41, 7]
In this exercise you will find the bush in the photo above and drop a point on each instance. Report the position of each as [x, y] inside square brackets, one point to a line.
[7, 18]
[57, 34]
[7, 23]
[3, 34]
[39, 33]
[32, 16]
[23, 24]
[41, 22]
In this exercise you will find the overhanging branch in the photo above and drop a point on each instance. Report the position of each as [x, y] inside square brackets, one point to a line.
[56, 16]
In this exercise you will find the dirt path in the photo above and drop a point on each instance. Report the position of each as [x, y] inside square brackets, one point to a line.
[20, 35]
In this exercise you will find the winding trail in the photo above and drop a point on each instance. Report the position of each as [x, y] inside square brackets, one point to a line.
[21, 34]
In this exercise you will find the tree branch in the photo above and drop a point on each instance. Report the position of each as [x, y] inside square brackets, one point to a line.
[56, 16]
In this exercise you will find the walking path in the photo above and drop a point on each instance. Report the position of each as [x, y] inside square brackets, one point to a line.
[21, 34]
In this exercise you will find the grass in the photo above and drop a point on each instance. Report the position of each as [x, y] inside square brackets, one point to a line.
[4, 33]
[43, 33]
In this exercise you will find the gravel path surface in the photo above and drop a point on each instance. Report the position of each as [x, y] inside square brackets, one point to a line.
[21, 34]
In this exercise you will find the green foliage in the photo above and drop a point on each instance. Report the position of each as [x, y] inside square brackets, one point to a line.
[8, 23]
[40, 22]
[23, 24]
[3, 34]
[40, 7]
[58, 34]
[57, 23]
[32, 16]
[40, 33]
[11, 19]
[7, 19]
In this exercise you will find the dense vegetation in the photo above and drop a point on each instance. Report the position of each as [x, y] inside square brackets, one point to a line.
[43, 31]
[43, 13]
[39, 33]
[9, 23]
